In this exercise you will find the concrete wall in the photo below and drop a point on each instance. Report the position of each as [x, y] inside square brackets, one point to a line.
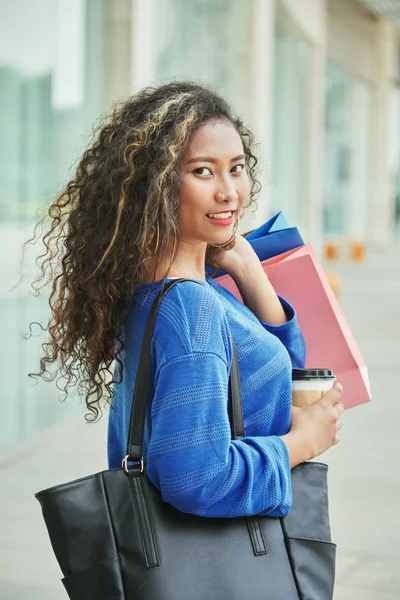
[118, 57]
[308, 20]
[260, 110]
[143, 49]
[350, 38]
[308, 16]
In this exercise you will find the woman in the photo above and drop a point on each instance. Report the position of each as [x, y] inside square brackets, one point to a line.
[159, 195]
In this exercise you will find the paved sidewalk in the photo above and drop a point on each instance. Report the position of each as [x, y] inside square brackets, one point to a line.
[364, 473]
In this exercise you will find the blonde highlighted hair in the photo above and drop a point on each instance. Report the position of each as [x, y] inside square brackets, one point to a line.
[112, 222]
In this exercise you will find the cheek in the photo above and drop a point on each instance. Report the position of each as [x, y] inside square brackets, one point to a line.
[188, 189]
[191, 188]
[194, 195]
[243, 187]
[192, 201]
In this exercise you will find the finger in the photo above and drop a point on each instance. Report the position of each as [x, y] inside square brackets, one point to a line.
[333, 396]
[338, 387]
[339, 425]
[339, 408]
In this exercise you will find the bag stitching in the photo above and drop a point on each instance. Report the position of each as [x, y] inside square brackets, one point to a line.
[145, 499]
[96, 564]
[256, 536]
[304, 539]
[114, 539]
[261, 533]
[155, 559]
[138, 518]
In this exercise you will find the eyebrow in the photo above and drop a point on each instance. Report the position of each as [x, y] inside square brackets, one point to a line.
[212, 160]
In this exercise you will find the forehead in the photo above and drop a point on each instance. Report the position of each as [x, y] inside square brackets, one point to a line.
[216, 138]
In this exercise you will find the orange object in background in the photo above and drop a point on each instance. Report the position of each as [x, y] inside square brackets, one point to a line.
[357, 251]
[300, 278]
[331, 252]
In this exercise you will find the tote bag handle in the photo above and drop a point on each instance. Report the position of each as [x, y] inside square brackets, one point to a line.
[134, 452]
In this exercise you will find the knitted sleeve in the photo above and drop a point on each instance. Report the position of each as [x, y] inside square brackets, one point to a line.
[290, 335]
[191, 458]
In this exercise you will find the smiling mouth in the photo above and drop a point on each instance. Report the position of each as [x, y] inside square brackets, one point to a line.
[222, 215]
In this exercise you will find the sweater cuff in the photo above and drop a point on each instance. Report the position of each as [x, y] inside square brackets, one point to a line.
[290, 315]
[290, 324]
[285, 474]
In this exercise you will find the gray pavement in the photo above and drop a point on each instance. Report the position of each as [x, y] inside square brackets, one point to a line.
[364, 469]
[364, 474]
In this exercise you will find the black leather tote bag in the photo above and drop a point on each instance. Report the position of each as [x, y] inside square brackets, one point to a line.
[115, 538]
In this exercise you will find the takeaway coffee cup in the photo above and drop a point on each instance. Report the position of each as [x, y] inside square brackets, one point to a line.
[309, 385]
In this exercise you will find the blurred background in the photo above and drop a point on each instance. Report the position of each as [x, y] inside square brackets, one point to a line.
[318, 81]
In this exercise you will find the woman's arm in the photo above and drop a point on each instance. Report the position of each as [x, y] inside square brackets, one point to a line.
[275, 314]
[261, 298]
[191, 457]
[258, 294]
[243, 265]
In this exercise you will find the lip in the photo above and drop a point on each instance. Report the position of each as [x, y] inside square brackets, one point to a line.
[223, 222]
[232, 210]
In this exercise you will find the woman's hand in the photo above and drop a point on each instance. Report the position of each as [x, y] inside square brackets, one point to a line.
[240, 257]
[244, 266]
[314, 428]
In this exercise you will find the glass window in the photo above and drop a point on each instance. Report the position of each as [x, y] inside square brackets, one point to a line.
[51, 81]
[290, 121]
[347, 154]
[337, 179]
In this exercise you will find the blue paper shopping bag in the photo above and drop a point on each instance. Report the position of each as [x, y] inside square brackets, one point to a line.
[274, 237]
[275, 223]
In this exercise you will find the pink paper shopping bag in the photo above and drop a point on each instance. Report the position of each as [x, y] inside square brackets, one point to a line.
[298, 276]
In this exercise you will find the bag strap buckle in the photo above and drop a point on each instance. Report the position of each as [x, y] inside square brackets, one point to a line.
[140, 462]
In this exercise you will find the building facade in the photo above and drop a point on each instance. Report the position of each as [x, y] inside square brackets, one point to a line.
[317, 81]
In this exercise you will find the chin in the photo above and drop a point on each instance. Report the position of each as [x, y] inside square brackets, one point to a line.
[220, 242]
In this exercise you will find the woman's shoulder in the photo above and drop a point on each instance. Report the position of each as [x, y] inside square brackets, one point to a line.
[191, 318]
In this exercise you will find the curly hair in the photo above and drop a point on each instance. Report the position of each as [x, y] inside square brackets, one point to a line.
[112, 223]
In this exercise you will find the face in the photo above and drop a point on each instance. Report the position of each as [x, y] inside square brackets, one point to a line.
[214, 180]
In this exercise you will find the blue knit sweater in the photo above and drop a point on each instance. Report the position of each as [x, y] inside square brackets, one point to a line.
[188, 451]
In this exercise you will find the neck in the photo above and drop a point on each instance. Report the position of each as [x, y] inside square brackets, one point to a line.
[189, 263]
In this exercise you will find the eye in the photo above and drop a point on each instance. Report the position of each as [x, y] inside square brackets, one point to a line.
[242, 166]
[200, 171]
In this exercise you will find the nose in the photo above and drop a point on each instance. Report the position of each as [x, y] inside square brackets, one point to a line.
[229, 194]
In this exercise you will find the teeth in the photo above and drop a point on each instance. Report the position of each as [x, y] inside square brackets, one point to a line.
[226, 215]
